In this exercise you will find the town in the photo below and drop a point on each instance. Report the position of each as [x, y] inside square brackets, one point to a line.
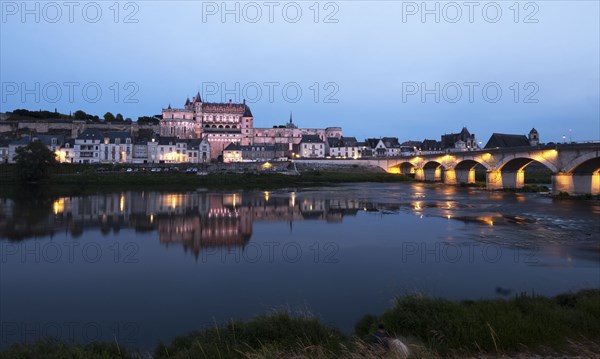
[202, 132]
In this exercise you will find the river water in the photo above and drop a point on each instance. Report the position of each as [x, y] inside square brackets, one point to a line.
[142, 267]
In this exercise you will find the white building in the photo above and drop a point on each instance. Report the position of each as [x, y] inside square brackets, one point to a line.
[116, 147]
[344, 147]
[198, 150]
[87, 146]
[312, 146]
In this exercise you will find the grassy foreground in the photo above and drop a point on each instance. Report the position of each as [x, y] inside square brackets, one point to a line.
[526, 325]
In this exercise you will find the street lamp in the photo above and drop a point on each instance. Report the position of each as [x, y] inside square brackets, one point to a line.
[571, 135]
[564, 138]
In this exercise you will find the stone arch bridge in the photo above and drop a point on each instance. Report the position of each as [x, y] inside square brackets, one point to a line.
[575, 167]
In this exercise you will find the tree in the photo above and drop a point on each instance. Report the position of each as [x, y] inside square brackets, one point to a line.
[34, 161]
[80, 115]
[146, 120]
[109, 117]
[119, 117]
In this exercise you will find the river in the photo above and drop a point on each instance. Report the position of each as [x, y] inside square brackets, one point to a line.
[144, 266]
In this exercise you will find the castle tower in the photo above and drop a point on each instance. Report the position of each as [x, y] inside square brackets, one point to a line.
[198, 108]
[534, 137]
[247, 126]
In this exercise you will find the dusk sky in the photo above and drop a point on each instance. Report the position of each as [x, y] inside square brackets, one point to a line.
[370, 61]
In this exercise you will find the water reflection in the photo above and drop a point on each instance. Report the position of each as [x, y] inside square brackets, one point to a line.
[201, 219]
[196, 220]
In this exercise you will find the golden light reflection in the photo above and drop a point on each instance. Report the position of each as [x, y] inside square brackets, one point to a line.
[59, 206]
[266, 196]
[122, 203]
[151, 217]
[172, 200]
[417, 206]
[266, 165]
[293, 199]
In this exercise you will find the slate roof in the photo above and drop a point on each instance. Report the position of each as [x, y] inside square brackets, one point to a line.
[247, 112]
[237, 147]
[234, 146]
[167, 141]
[507, 140]
[90, 134]
[342, 142]
[47, 139]
[431, 145]
[23, 141]
[390, 142]
[349, 141]
[372, 142]
[311, 139]
[333, 142]
[113, 135]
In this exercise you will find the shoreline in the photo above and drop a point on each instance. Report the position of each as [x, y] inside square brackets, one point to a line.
[86, 179]
[524, 326]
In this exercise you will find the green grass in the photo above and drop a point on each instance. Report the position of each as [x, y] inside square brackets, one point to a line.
[527, 324]
[268, 336]
[493, 326]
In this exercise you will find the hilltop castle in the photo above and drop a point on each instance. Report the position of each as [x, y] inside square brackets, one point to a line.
[225, 123]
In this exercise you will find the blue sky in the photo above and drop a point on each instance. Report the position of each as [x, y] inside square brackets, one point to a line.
[378, 66]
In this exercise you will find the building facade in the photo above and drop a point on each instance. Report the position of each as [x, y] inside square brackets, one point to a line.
[226, 123]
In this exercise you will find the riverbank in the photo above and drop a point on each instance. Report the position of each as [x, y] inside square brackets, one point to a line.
[525, 326]
[76, 180]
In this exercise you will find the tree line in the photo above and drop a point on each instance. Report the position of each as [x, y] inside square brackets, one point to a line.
[108, 117]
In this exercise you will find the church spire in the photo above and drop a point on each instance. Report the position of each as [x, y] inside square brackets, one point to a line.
[291, 118]
[198, 99]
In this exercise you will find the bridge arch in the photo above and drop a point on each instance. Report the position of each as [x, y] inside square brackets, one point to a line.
[518, 163]
[510, 172]
[430, 172]
[469, 164]
[464, 171]
[432, 164]
[405, 168]
[588, 163]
